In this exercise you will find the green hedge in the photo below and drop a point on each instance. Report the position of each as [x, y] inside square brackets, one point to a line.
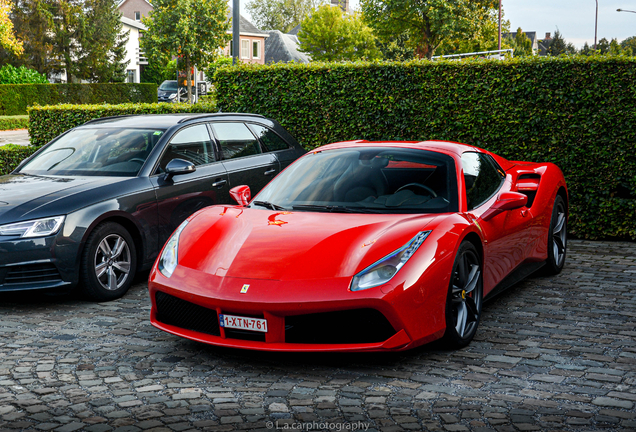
[15, 98]
[579, 113]
[47, 122]
[14, 122]
[11, 155]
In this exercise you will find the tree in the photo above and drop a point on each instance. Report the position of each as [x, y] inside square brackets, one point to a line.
[603, 46]
[427, 22]
[81, 37]
[586, 50]
[331, 35]
[629, 45]
[193, 30]
[559, 46]
[484, 37]
[158, 72]
[522, 44]
[7, 38]
[281, 15]
[395, 48]
[102, 50]
[32, 20]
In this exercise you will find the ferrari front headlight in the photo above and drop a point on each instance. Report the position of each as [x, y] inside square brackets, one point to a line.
[169, 257]
[33, 228]
[383, 270]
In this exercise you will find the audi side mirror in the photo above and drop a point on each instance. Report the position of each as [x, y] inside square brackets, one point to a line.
[178, 167]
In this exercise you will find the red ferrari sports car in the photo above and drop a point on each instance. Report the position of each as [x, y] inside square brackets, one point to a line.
[362, 246]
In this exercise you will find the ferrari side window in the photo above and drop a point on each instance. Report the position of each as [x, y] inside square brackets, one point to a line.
[481, 178]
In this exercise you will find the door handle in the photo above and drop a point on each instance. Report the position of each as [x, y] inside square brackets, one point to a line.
[270, 172]
[219, 183]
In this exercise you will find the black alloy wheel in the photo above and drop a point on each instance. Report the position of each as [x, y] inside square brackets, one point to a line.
[465, 296]
[109, 262]
[557, 237]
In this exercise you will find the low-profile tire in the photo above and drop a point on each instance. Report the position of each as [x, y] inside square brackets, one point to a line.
[109, 262]
[557, 238]
[465, 297]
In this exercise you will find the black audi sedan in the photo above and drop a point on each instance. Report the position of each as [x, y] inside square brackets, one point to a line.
[96, 204]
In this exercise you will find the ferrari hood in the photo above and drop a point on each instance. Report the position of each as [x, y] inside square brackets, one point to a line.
[261, 244]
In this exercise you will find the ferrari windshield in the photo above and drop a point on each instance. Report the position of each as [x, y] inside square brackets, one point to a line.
[95, 152]
[365, 180]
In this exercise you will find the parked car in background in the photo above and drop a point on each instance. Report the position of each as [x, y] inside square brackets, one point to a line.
[362, 246]
[97, 203]
[170, 91]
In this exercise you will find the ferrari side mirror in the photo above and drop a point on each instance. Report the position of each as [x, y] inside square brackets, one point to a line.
[241, 194]
[505, 201]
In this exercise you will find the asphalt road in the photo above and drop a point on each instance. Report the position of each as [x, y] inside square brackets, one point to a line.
[18, 136]
[555, 353]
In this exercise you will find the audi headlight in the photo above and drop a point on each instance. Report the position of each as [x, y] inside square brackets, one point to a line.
[169, 257]
[383, 271]
[33, 228]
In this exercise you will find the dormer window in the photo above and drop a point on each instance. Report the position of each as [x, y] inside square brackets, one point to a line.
[137, 16]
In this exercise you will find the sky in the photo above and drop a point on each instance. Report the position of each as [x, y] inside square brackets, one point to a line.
[574, 18]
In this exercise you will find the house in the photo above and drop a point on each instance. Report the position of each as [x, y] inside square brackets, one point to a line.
[134, 9]
[343, 4]
[134, 56]
[283, 47]
[544, 44]
[252, 42]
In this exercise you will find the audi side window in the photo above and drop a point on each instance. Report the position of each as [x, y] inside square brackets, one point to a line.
[269, 138]
[236, 140]
[192, 144]
[481, 178]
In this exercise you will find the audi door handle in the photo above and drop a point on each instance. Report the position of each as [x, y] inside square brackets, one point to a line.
[219, 183]
[270, 172]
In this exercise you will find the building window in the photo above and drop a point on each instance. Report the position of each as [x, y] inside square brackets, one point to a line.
[245, 48]
[137, 16]
[256, 49]
[130, 76]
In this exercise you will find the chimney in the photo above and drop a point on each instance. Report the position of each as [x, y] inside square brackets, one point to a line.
[547, 35]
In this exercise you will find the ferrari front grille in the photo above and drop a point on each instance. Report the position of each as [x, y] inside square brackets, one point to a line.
[183, 314]
[341, 327]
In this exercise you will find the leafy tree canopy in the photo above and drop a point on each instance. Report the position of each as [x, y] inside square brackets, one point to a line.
[81, 37]
[329, 34]
[429, 23]
[21, 75]
[7, 38]
[484, 38]
[522, 44]
[281, 15]
[157, 73]
[559, 46]
[193, 30]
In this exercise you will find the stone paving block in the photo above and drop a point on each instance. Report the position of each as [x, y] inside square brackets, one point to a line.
[553, 353]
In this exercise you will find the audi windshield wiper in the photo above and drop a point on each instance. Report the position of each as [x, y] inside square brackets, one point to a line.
[333, 209]
[268, 205]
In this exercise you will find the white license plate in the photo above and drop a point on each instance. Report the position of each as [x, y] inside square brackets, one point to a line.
[243, 323]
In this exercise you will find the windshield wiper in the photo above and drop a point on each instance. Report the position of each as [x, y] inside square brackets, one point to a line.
[269, 205]
[334, 209]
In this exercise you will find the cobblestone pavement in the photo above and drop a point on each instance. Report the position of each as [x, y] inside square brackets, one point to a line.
[554, 353]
